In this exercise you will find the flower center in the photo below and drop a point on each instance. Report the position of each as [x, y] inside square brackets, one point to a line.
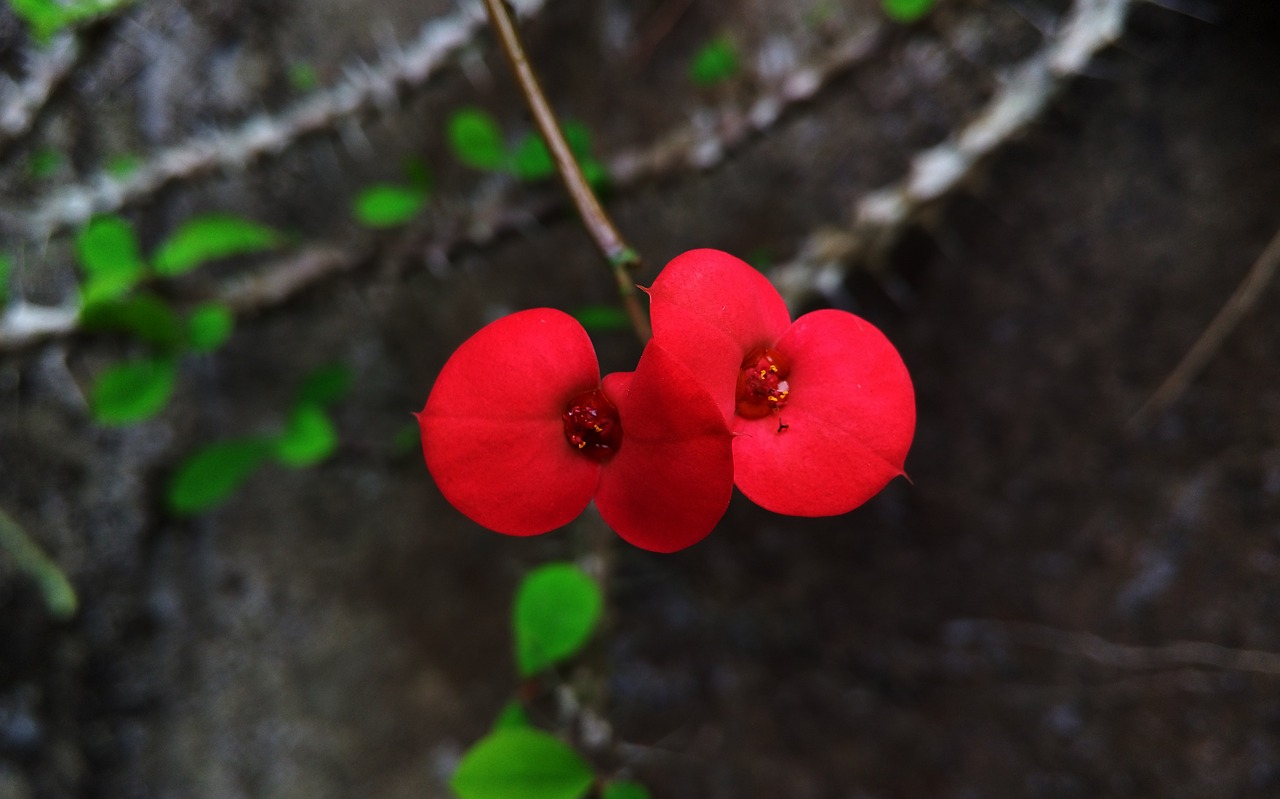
[591, 425]
[762, 383]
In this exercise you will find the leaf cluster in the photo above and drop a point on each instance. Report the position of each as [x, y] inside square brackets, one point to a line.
[114, 269]
[557, 608]
[478, 142]
[212, 474]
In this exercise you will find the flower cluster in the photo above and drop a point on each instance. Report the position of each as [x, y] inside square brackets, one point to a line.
[807, 418]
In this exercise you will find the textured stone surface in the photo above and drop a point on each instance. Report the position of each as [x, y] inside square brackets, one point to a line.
[341, 632]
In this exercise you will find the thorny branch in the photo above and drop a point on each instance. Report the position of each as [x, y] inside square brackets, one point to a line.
[21, 103]
[824, 260]
[881, 217]
[1237, 306]
[363, 91]
[702, 145]
[1177, 654]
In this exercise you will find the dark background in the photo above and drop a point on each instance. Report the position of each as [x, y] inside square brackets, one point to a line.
[998, 627]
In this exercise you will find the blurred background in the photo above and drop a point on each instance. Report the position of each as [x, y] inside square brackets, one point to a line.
[1043, 203]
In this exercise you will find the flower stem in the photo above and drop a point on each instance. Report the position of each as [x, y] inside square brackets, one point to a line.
[622, 259]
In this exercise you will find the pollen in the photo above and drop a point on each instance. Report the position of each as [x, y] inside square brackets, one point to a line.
[762, 384]
[591, 425]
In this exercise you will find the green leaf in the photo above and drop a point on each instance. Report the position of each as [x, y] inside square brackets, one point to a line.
[418, 174]
[387, 205]
[512, 717]
[209, 326]
[907, 10]
[44, 163]
[531, 160]
[326, 385]
[407, 439]
[47, 17]
[302, 76]
[215, 472]
[602, 317]
[108, 251]
[209, 237]
[123, 165]
[717, 61]
[132, 391]
[144, 315]
[6, 266]
[521, 764]
[557, 607]
[477, 140]
[578, 137]
[625, 789]
[309, 438]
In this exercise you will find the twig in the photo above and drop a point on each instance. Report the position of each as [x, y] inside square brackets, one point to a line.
[20, 105]
[1127, 656]
[363, 91]
[59, 596]
[1238, 304]
[622, 259]
[702, 145]
[880, 217]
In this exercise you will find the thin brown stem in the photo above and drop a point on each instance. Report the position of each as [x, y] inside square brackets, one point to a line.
[622, 259]
[1193, 363]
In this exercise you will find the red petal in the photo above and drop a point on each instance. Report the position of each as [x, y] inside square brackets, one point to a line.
[671, 480]
[849, 418]
[492, 431]
[709, 310]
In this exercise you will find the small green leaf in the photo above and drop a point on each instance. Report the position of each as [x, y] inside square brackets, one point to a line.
[418, 174]
[625, 789]
[47, 17]
[209, 237]
[407, 439]
[108, 251]
[132, 391]
[521, 764]
[531, 160]
[44, 163]
[326, 385]
[578, 137]
[602, 317]
[6, 266]
[123, 165]
[907, 10]
[209, 326]
[302, 76]
[309, 438]
[477, 140]
[594, 173]
[717, 61]
[556, 609]
[144, 315]
[59, 595]
[215, 472]
[512, 717]
[387, 205]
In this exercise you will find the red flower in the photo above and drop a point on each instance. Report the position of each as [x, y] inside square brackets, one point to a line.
[520, 434]
[822, 408]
